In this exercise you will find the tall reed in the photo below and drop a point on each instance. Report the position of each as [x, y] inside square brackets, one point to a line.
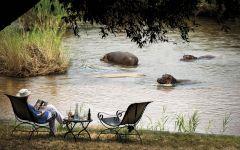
[150, 125]
[193, 122]
[184, 125]
[209, 126]
[225, 122]
[37, 50]
[180, 123]
[161, 123]
[45, 15]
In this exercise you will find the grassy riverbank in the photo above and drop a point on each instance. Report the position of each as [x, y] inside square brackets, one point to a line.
[31, 46]
[151, 140]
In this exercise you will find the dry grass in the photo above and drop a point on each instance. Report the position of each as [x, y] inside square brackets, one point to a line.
[151, 140]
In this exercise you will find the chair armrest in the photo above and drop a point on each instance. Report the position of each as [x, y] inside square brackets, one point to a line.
[102, 115]
[108, 120]
[119, 113]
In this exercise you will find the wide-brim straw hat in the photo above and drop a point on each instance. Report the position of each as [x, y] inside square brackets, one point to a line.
[23, 93]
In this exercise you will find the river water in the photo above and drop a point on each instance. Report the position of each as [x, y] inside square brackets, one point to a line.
[213, 90]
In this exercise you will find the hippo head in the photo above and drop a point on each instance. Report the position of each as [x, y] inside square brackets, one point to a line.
[104, 58]
[167, 79]
[188, 58]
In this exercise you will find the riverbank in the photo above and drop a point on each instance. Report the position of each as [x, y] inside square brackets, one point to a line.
[151, 140]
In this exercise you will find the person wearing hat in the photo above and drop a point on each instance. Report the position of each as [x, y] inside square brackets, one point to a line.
[46, 114]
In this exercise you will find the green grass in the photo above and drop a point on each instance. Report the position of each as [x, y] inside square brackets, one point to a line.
[32, 46]
[151, 140]
[225, 122]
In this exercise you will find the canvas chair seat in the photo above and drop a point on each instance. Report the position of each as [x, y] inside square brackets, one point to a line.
[112, 121]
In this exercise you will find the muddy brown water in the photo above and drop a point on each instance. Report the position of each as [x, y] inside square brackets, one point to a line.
[213, 89]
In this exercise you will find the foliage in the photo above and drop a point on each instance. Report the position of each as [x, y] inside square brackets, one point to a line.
[144, 21]
[228, 9]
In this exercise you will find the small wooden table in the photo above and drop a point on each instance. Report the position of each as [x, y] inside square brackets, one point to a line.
[71, 125]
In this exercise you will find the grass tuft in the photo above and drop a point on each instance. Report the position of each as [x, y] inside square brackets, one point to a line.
[225, 122]
[187, 126]
[163, 120]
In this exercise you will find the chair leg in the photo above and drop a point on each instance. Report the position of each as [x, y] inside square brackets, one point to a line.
[122, 136]
[32, 132]
[129, 133]
[138, 135]
[35, 129]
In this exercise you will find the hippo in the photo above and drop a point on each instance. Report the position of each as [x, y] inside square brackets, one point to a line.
[167, 79]
[192, 58]
[120, 58]
[188, 58]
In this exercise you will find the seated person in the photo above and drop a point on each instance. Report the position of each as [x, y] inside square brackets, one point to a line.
[46, 114]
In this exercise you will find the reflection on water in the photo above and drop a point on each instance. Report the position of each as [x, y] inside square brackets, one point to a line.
[213, 88]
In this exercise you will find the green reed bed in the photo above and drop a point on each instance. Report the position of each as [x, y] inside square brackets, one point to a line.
[33, 44]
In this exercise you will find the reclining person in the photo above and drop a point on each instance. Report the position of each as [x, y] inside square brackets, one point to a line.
[46, 114]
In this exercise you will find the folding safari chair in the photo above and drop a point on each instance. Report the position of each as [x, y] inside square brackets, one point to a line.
[115, 124]
[24, 116]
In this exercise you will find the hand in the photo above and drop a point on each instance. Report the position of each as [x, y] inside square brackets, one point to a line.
[41, 113]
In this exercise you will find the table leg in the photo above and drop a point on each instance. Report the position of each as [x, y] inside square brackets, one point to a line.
[70, 130]
[84, 129]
